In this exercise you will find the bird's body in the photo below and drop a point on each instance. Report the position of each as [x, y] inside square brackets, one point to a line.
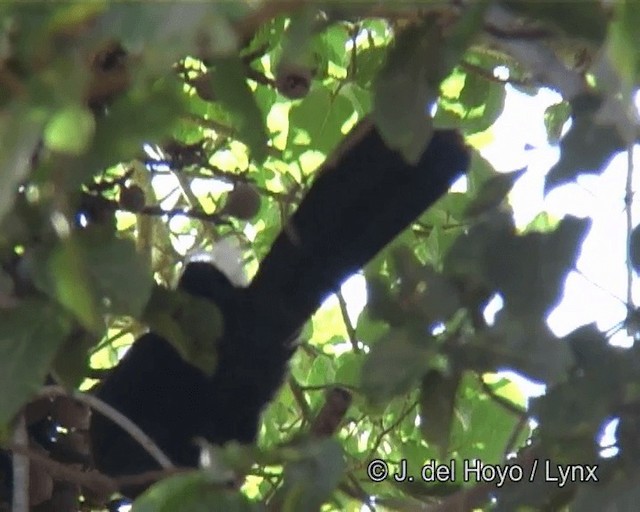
[357, 205]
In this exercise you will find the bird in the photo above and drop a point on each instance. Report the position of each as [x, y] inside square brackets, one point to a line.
[363, 196]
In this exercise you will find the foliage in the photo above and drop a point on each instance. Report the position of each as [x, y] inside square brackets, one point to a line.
[226, 95]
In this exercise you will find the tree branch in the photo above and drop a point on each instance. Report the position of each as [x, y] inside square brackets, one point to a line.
[119, 419]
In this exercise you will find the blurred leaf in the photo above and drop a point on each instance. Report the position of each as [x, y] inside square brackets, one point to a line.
[479, 103]
[297, 39]
[195, 491]
[72, 19]
[405, 87]
[370, 327]
[525, 345]
[586, 19]
[94, 273]
[20, 131]
[423, 294]
[572, 411]
[321, 371]
[139, 117]
[348, 368]
[316, 122]
[229, 82]
[62, 273]
[421, 57]
[30, 336]
[191, 324]
[555, 117]
[493, 193]
[480, 171]
[482, 427]
[528, 270]
[310, 481]
[624, 41]
[437, 401]
[620, 493]
[543, 223]
[119, 276]
[168, 32]
[70, 130]
[368, 62]
[634, 248]
[71, 364]
[393, 366]
[587, 147]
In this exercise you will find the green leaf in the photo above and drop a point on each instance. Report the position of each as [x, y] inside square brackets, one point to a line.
[30, 336]
[62, 273]
[528, 270]
[348, 368]
[143, 115]
[394, 366]
[587, 19]
[493, 193]
[620, 493]
[368, 62]
[423, 295]
[624, 41]
[169, 31]
[482, 427]
[120, 278]
[409, 81]
[523, 344]
[70, 130]
[480, 103]
[191, 324]
[321, 372]
[310, 481]
[71, 364]
[587, 147]
[316, 122]
[479, 172]
[93, 273]
[555, 117]
[634, 248]
[20, 131]
[195, 491]
[229, 82]
[405, 87]
[437, 401]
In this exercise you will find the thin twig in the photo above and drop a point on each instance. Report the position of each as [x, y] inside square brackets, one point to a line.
[501, 401]
[628, 203]
[488, 75]
[149, 477]
[187, 212]
[93, 480]
[119, 419]
[513, 437]
[351, 331]
[298, 396]
[401, 417]
[20, 497]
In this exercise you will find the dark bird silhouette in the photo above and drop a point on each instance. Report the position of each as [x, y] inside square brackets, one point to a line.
[363, 197]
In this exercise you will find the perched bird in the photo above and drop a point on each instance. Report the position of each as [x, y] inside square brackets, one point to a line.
[363, 197]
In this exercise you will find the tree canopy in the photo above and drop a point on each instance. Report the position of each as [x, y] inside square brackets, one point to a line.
[134, 136]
